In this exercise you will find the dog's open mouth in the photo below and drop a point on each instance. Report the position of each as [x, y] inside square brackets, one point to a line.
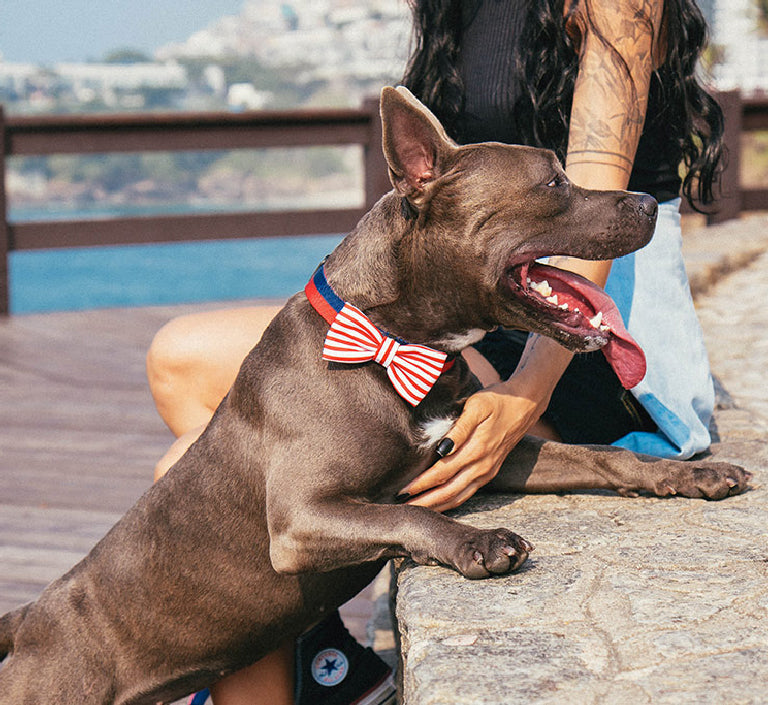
[583, 314]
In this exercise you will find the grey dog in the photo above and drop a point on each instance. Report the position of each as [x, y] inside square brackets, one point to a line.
[286, 505]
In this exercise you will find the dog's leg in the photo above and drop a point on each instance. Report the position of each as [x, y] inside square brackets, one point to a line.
[546, 466]
[336, 533]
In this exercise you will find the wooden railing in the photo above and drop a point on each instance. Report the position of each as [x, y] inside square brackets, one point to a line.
[218, 131]
[741, 115]
[91, 134]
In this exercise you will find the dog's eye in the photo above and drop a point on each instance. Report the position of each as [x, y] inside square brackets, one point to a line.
[558, 180]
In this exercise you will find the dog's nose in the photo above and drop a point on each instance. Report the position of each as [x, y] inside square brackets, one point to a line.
[647, 206]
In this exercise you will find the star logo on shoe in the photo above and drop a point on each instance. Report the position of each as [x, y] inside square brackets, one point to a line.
[330, 667]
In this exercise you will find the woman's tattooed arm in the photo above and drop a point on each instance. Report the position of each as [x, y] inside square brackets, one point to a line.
[610, 97]
[611, 91]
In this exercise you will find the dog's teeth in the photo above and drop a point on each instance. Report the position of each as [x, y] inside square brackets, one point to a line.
[605, 328]
[553, 299]
[563, 306]
[542, 288]
[596, 320]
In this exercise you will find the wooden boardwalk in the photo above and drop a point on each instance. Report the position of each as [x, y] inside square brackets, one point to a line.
[79, 437]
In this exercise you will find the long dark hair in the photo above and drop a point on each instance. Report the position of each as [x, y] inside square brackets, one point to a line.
[547, 64]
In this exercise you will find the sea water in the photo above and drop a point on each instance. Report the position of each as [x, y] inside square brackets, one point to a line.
[144, 275]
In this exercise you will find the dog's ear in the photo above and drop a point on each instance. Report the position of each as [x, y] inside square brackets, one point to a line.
[414, 142]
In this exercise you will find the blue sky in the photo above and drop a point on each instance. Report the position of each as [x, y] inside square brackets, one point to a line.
[46, 31]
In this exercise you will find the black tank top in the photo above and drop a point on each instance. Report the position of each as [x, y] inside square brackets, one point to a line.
[487, 65]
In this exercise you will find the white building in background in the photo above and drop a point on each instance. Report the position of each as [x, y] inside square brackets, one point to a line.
[245, 96]
[103, 77]
[345, 40]
[15, 76]
[115, 85]
[28, 80]
[742, 42]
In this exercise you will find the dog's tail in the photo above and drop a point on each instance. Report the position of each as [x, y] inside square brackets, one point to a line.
[9, 625]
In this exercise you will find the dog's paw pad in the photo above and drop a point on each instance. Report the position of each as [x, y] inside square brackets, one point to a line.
[492, 552]
[708, 480]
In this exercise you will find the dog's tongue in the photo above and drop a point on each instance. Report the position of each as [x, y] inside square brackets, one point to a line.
[624, 355]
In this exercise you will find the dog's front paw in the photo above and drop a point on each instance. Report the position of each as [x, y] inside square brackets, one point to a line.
[708, 480]
[489, 552]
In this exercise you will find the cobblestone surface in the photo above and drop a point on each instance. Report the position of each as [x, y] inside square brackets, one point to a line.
[734, 317]
[625, 600]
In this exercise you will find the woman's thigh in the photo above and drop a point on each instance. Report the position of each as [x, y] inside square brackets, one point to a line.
[194, 360]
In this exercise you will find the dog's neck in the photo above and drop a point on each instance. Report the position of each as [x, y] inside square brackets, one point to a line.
[363, 268]
[374, 268]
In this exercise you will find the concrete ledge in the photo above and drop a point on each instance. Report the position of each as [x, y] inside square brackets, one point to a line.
[631, 601]
[624, 600]
[712, 253]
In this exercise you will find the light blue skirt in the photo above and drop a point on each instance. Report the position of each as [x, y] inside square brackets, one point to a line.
[651, 289]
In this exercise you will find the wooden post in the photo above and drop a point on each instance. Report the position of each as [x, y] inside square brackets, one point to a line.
[730, 201]
[5, 232]
[376, 170]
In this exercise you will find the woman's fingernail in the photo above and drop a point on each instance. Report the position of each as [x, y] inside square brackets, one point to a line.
[402, 497]
[445, 447]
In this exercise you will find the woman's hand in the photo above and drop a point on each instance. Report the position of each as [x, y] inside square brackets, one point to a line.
[492, 423]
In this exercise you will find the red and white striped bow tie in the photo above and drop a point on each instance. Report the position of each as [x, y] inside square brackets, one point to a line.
[412, 369]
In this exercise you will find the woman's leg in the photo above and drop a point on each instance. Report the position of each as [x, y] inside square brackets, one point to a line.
[192, 363]
[268, 681]
[194, 359]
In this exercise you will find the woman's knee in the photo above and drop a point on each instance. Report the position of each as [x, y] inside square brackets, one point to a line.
[176, 370]
[194, 359]
[169, 357]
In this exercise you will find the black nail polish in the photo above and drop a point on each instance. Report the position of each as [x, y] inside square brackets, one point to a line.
[445, 447]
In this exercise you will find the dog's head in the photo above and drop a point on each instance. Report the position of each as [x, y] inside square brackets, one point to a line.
[479, 217]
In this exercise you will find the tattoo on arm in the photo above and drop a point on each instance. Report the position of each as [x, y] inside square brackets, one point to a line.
[611, 159]
[529, 352]
[611, 92]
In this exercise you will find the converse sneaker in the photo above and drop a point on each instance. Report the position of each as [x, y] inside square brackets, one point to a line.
[333, 669]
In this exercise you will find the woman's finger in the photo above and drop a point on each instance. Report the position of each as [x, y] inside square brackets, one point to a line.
[455, 492]
[474, 413]
[487, 430]
[442, 471]
[467, 455]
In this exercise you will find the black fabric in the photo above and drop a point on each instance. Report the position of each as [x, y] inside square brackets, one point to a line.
[589, 405]
[656, 168]
[486, 63]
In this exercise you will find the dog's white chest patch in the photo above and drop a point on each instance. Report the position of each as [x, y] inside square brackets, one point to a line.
[434, 430]
[459, 341]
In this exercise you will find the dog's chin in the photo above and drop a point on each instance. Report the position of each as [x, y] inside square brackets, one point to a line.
[577, 338]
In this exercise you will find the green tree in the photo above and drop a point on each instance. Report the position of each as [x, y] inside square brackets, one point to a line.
[126, 56]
